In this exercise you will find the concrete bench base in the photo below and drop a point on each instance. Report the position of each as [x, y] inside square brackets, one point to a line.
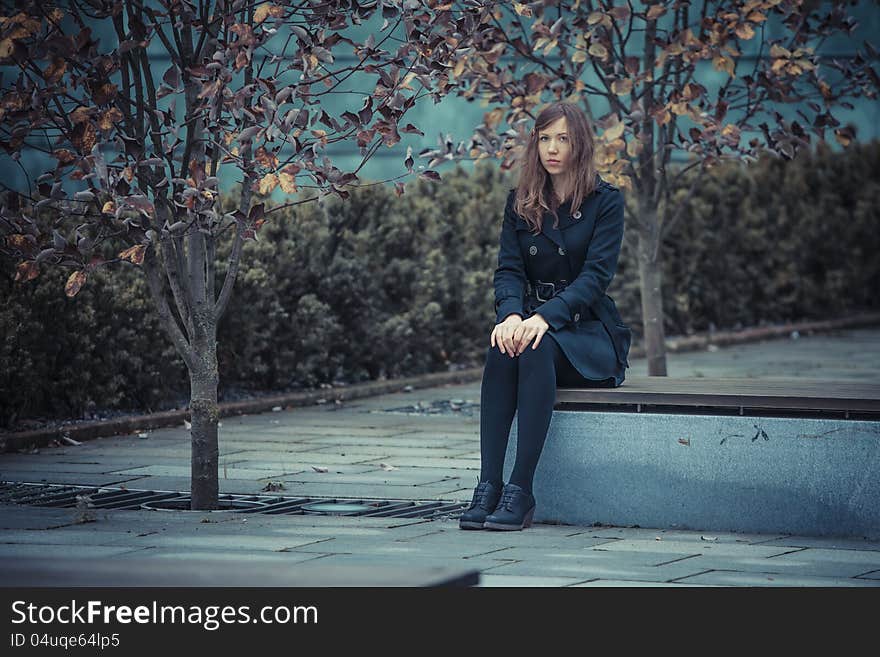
[818, 477]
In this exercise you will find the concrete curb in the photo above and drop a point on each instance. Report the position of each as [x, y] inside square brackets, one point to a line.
[129, 424]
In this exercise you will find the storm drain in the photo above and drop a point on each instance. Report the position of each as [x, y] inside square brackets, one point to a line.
[68, 496]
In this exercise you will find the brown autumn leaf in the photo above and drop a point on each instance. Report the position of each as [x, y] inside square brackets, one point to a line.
[64, 156]
[778, 51]
[104, 94]
[843, 136]
[614, 131]
[27, 271]
[74, 283]
[245, 34]
[598, 50]
[108, 118]
[109, 207]
[722, 63]
[287, 183]
[744, 31]
[55, 71]
[522, 9]
[265, 11]
[622, 86]
[656, 11]
[84, 136]
[212, 88]
[80, 114]
[493, 118]
[268, 183]
[6, 48]
[265, 158]
[134, 254]
[18, 241]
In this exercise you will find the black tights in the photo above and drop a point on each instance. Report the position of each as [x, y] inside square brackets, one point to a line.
[526, 383]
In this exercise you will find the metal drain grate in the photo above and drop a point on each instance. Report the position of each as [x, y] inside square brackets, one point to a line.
[104, 497]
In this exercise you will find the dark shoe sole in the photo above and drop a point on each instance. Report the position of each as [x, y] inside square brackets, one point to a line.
[466, 524]
[527, 522]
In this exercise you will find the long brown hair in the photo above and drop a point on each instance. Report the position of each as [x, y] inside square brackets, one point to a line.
[534, 191]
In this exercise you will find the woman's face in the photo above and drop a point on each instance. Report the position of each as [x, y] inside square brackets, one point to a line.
[554, 146]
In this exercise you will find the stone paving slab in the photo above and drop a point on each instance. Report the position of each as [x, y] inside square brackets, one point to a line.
[52, 477]
[227, 473]
[289, 465]
[60, 468]
[79, 536]
[235, 557]
[311, 458]
[22, 550]
[401, 549]
[607, 566]
[417, 462]
[342, 433]
[459, 432]
[414, 439]
[775, 565]
[389, 450]
[622, 583]
[104, 460]
[382, 560]
[831, 543]
[22, 517]
[149, 452]
[651, 533]
[354, 490]
[375, 476]
[549, 540]
[693, 547]
[726, 578]
[594, 555]
[489, 580]
[868, 558]
[220, 542]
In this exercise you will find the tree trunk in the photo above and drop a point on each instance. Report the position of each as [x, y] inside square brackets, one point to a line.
[650, 277]
[205, 414]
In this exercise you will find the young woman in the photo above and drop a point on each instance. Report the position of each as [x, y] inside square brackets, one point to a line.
[560, 240]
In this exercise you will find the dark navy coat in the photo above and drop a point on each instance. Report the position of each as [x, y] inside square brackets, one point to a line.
[579, 258]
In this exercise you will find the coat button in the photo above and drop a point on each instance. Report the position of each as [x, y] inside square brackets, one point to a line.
[577, 215]
[561, 251]
[577, 317]
[533, 249]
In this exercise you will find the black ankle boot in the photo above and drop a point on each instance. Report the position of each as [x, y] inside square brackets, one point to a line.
[486, 497]
[514, 511]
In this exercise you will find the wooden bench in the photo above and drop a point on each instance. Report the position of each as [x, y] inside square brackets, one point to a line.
[794, 456]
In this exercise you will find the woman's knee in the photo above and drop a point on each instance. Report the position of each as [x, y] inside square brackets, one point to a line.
[545, 352]
[494, 357]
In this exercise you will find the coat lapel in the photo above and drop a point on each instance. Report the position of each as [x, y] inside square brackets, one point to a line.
[551, 232]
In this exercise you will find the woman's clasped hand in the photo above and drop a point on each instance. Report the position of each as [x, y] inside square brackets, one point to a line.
[514, 334]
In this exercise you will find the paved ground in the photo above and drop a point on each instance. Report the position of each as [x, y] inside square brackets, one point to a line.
[365, 449]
